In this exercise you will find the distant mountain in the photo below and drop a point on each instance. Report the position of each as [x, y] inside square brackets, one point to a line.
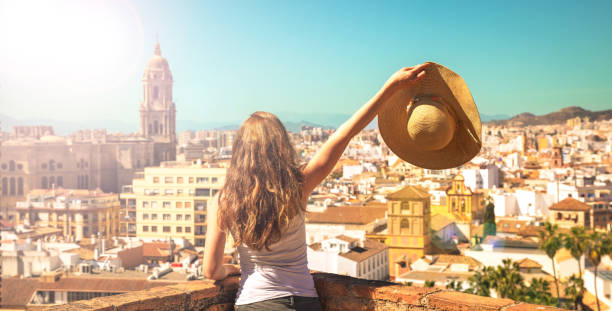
[493, 117]
[526, 118]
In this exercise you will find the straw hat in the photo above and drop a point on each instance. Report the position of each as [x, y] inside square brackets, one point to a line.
[434, 124]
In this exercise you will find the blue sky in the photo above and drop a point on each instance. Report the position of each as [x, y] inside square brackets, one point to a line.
[79, 61]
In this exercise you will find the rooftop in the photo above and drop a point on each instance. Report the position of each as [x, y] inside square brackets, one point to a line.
[570, 204]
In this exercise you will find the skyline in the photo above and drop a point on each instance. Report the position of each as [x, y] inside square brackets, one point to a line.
[69, 61]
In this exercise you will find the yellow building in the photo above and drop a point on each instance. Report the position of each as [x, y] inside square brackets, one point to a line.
[461, 204]
[170, 201]
[408, 222]
[79, 213]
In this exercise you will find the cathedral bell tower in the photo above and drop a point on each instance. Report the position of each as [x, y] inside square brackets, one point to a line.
[157, 110]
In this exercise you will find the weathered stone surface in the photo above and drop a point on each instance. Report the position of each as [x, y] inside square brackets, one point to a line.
[456, 301]
[337, 293]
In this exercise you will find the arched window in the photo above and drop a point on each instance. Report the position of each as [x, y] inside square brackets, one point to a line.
[405, 223]
[4, 186]
[155, 92]
[52, 165]
[11, 165]
[20, 186]
[463, 205]
[12, 186]
[43, 183]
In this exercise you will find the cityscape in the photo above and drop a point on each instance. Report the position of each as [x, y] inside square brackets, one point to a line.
[97, 213]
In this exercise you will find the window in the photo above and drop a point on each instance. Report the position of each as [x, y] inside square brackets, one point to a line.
[202, 192]
[155, 179]
[200, 180]
[167, 204]
[145, 216]
[405, 223]
[200, 218]
[179, 217]
[12, 188]
[19, 167]
[187, 217]
[179, 229]
[3, 166]
[166, 229]
[145, 204]
[179, 191]
[43, 183]
[187, 229]
[187, 204]
[200, 205]
[44, 166]
[60, 181]
[214, 192]
[20, 186]
[11, 165]
[145, 228]
[168, 180]
[153, 216]
[153, 228]
[60, 165]
[214, 180]
[179, 180]
[52, 181]
[169, 192]
[4, 186]
[153, 204]
[179, 204]
[167, 217]
[191, 180]
[155, 92]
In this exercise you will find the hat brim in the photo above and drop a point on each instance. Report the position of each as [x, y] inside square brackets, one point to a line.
[466, 142]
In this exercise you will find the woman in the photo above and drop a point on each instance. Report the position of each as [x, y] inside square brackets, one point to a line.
[263, 202]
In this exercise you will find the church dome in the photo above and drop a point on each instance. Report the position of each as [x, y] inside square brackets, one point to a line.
[157, 62]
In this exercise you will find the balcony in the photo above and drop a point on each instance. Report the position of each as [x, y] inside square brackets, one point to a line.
[336, 293]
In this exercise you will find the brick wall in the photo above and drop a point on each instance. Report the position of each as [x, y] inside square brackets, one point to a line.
[337, 293]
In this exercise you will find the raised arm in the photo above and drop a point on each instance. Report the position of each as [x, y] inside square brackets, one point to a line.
[326, 158]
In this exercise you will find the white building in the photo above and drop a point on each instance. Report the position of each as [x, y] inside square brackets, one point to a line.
[481, 178]
[366, 259]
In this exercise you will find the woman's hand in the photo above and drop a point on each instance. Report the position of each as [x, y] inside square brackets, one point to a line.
[405, 78]
[231, 269]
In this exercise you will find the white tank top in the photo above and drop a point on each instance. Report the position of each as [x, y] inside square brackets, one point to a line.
[281, 271]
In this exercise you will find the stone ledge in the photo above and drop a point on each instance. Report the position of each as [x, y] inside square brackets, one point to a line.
[337, 293]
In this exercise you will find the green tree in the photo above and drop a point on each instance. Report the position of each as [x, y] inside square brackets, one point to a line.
[576, 243]
[429, 283]
[455, 285]
[574, 288]
[489, 227]
[550, 243]
[480, 282]
[538, 292]
[598, 245]
[507, 280]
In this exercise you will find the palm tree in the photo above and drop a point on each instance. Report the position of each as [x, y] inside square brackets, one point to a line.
[575, 289]
[507, 280]
[550, 243]
[480, 282]
[538, 292]
[576, 243]
[598, 245]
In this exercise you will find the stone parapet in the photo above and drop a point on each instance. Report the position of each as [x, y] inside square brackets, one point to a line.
[337, 293]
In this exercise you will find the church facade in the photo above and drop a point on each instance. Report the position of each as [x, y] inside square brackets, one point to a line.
[92, 159]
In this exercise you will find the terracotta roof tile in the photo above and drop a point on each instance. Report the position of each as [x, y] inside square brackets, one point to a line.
[361, 215]
[527, 263]
[370, 247]
[570, 204]
[409, 192]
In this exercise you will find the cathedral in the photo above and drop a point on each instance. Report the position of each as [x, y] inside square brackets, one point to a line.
[36, 159]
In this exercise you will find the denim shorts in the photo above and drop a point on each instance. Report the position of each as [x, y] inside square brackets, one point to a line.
[283, 303]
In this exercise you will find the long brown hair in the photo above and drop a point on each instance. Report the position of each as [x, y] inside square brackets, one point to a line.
[262, 190]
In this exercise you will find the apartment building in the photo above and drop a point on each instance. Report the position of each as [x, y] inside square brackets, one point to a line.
[170, 201]
[78, 213]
